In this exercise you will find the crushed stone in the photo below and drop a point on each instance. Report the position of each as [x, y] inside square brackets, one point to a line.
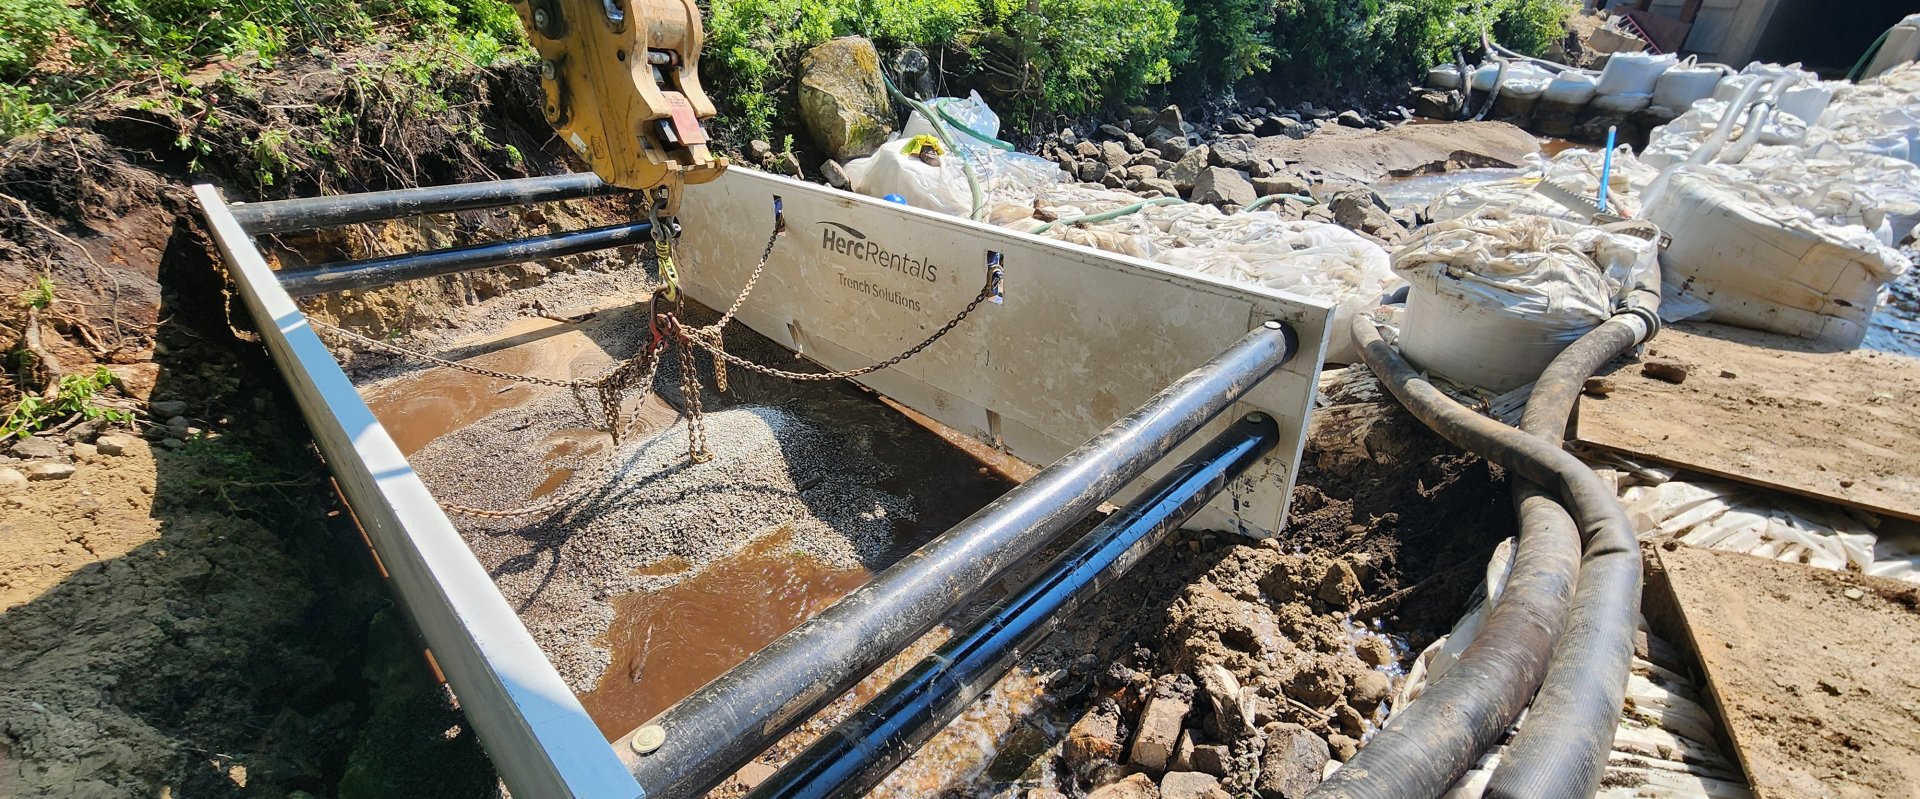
[772, 473]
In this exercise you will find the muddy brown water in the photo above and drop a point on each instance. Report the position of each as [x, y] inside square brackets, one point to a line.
[670, 642]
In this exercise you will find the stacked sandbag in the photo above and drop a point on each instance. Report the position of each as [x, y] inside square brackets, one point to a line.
[1686, 83]
[1627, 83]
[1496, 297]
[1576, 171]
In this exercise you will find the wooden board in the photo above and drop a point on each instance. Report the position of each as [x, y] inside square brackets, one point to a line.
[1811, 671]
[1772, 411]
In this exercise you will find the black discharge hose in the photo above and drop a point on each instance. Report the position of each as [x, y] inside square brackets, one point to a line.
[1432, 742]
[1560, 752]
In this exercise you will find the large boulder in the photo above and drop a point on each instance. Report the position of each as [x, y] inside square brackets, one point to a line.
[1222, 186]
[843, 99]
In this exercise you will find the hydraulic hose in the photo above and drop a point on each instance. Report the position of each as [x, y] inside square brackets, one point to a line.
[1560, 752]
[1430, 743]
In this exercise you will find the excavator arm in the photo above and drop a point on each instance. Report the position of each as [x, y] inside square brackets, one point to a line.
[622, 80]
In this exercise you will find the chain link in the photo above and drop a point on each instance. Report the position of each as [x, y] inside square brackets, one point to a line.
[643, 368]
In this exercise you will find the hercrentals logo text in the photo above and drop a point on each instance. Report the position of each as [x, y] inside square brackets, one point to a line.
[845, 240]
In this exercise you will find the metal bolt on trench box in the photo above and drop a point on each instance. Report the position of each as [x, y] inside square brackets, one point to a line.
[1110, 368]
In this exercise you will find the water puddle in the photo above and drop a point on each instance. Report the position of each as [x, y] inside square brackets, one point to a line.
[682, 636]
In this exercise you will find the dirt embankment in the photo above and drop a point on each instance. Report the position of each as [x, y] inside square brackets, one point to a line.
[183, 606]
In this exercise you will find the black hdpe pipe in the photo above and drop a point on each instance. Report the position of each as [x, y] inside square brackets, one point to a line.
[1429, 744]
[859, 753]
[376, 272]
[308, 213]
[1560, 751]
[697, 743]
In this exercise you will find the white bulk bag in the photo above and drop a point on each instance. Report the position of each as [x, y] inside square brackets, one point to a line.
[1620, 105]
[1687, 83]
[1807, 101]
[1769, 267]
[1445, 76]
[1634, 73]
[1525, 79]
[1572, 88]
[1496, 298]
[1486, 76]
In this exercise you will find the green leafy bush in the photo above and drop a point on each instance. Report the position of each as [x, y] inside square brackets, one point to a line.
[1086, 53]
[1329, 39]
[1222, 41]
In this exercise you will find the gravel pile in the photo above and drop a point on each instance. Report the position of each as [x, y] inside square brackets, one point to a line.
[772, 472]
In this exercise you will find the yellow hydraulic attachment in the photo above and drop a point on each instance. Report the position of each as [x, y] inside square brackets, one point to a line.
[622, 79]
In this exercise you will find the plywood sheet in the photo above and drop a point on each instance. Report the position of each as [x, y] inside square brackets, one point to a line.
[1811, 671]
[1772, 411]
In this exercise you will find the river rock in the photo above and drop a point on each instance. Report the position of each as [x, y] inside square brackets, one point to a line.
[1093, 171]
[165, 408]
[843, 99]
[1220, 185]
[1137, 786]
[1160, 725]
[1139, 173]
[1374, 651]
[1352, 119]
[1213, 759]
[48, 470]
[1115, 154]
[1188, 169]
[1343, 747]
[1282, 184]
[1171, 143]
[834, 174]
[36, 447]
[1094, 740]
[1191, 785]
[759, 152]
[1232, 154]
[135, 380]
[1293, 762]
[1355, 209]
[1162, 186]
[1170, 118]
[1666, 370]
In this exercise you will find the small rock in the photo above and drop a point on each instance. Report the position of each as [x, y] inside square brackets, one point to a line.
[1068, 137]
[1093, 171]
[1115, 154]
[1114, 180]
[834, 174]
[166, 408]
[1094, 740]
[1231, 154]
[1112, 131]
[1191, 785]
[1170, 119]
[1137, 786]
[1232, 719]
[1368, 689]
[1351, 119]
[11, 480]
[135, 380]
[1133, 143]
[43, 470]
[1159, 731]
[1237, 123]
[1213, 759]
[113, 444]
[172, 443]
[1348, 720]
[1666, 370]
[789, 165]
[1855, 593]
[1219, 185]
[1344, 747]
[1374, 651]
[1317, 685]
[1172, 144]
[34, 447]
[1138, 173]
[1282, 184]
[1598, 386]
[1086, 149]
[759, 151]
[1728, 375]
[1189, 168]
[1044, 793]
[1163, 186]
[85, 451]
[1340, 586]
[1293, 762]
[1438, 103]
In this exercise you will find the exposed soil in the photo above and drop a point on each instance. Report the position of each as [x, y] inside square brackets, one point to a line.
[1358, 155]
[200, 618]
[1812, 671]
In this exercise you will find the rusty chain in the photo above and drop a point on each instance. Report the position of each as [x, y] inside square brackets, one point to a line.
[642, 369]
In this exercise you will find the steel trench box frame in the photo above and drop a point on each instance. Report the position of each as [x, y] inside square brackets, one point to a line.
[540, 738]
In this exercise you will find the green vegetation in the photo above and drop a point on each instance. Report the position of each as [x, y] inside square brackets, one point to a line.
[75, 394]
[1330, 39]
[55, 55]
